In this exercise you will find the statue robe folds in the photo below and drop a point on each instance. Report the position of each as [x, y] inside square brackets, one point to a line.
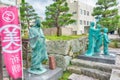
[39, 53]
[98, 39]
[106, 41]
[92, 40]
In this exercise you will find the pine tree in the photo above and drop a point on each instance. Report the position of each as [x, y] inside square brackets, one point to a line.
[27, 15]
[57, 15]
[107, 11]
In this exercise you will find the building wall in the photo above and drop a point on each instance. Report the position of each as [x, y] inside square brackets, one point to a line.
[53, 31]
[82, 14]
[73, 9]
[17, 3]
[119, 9]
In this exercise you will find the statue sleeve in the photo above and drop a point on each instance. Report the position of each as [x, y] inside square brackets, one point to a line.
[106, 38]
[33, 37]
[41, 34]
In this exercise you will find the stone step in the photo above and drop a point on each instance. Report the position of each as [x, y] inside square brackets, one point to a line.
[95, 65]
[74, 76]
[115, 74]
[89, 72]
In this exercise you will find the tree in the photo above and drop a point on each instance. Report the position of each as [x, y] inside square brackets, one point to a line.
[57, 15]
[27, 15]
[108, 12]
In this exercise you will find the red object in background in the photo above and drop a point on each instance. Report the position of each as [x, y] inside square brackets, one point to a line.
[52, 62]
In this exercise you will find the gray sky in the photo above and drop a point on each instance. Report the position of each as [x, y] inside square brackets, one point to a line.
[39, 5]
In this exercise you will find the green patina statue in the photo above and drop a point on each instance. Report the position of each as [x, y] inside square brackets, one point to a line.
[105, 41]
[39, 53]
[98, 39]
[91, 38]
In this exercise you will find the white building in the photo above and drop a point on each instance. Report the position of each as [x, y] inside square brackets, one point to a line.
[119, 9]
[9, 2]
[82, 14]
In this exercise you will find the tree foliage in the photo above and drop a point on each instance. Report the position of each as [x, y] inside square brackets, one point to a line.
[108, 12]
[57, 15]
[27, 15]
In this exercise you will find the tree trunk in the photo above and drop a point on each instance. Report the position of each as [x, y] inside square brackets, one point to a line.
[58, 31]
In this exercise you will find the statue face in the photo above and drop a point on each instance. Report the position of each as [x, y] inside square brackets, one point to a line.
[37, 23]
[105, 30]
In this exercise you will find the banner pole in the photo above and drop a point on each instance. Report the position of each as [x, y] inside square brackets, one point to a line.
[1, 67]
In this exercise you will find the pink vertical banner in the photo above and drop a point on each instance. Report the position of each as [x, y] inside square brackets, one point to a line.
[11, 41]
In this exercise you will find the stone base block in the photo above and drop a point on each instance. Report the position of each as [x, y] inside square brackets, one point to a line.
[49, 75]
[110, 59]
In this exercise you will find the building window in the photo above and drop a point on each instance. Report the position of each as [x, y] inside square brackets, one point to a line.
[84, 12]
[74, 13]
[81, 11]
[84, 22]
[87, 22]
[81, 22]
[75, 23]
[88, 13]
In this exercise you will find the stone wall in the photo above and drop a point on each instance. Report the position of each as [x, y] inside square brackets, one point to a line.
[65, 50]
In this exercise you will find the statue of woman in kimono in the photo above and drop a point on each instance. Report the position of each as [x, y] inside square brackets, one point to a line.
[38, 45]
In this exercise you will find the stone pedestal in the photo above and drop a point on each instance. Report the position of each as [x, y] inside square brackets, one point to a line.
[49, 75]
[109, 59]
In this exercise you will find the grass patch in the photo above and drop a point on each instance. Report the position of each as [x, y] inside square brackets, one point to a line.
[64, 37]
[114, 44]
[65, 76]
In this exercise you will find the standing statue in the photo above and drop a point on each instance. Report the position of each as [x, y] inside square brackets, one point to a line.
[39, 53]
[105, 41]
[98, 39]
[91, 37]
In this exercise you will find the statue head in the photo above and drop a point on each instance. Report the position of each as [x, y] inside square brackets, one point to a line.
[37, 23]
[92, 24]
[105, 30]
[98, 26]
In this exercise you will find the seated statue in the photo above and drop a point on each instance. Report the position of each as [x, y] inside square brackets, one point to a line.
[38, 45]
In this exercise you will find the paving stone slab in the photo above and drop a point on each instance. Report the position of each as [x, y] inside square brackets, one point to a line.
[115, 74]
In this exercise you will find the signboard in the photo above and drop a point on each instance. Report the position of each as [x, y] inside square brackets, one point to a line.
[9, 2]
[11, 41]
